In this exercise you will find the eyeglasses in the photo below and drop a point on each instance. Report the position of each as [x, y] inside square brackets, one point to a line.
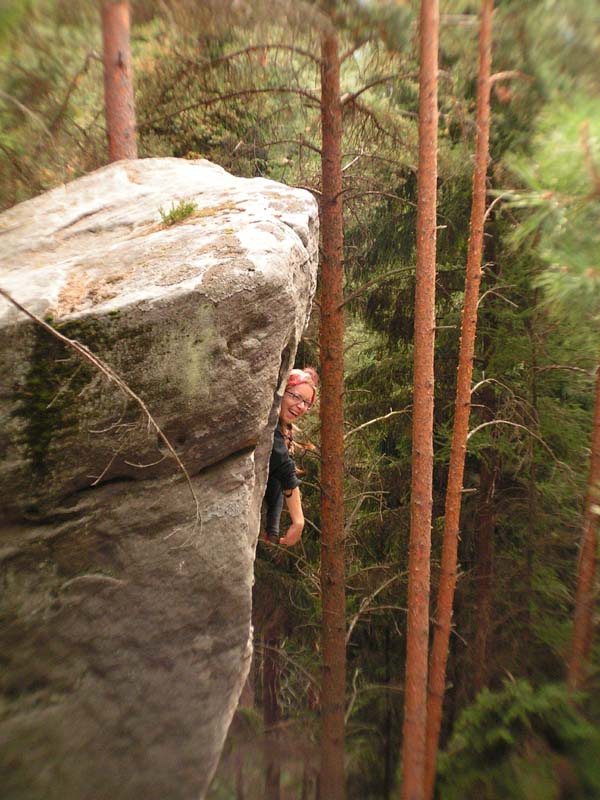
[299, 400]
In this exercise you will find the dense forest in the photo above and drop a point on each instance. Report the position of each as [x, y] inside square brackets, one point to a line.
[248, 85]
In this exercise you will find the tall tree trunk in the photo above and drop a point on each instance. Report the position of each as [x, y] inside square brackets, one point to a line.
[118, 81]
[443, 619]
[417, 632]
[586, 573]
[271, 718]
[333, 635]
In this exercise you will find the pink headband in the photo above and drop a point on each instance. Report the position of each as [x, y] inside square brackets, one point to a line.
[299, 376]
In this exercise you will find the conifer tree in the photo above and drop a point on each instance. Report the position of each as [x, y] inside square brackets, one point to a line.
[333, 597]
[462, 408]
[564, 182]
[118, 81]
[417, 630]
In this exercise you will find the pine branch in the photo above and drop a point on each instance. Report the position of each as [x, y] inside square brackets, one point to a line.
[92, 55]
[377, 419]
[302, 142]
[349, 98]
[215, 62]
[375, 281]
[27, 111]
[522, 427]
[222, 98]
[509, 74]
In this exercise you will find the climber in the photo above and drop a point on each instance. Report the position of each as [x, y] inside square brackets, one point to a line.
[283, 483]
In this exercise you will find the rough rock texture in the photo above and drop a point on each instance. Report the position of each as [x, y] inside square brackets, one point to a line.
[125, 621]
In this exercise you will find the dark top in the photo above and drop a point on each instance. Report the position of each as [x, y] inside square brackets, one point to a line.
[281, 465]
[282, 478]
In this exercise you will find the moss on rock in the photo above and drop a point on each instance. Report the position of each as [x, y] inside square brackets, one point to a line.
[48, 399]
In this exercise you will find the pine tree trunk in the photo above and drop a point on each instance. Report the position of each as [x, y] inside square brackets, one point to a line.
[443, 619]
[271, 719]
[417, 633]
[118, 81]
[333, 636]
[583, 623]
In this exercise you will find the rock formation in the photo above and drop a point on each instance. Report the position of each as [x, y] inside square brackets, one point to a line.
[125, 612]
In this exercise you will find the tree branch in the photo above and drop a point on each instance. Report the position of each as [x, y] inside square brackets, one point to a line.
[507, 74]
[366, 602]
[230, 96]
[349, 98]
[389, 195]
[208, 65]
[496, 293]
[377, 419]
[92, 55]
[380, 279]
[300, 142]
[492, 204]
[28, 112]
[522, 427]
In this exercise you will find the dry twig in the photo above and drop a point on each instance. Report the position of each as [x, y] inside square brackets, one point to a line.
[86, 354]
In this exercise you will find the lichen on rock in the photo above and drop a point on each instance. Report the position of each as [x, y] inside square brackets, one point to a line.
[127, 621]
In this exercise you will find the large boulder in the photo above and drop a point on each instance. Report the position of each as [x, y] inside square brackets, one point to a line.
[126, 569]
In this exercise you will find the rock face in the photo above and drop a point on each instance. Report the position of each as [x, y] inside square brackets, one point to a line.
[125, 614]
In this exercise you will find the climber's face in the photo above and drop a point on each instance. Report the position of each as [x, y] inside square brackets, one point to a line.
[297, 400]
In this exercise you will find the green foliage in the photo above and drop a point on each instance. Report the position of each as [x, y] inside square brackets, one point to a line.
[563, 197]
[521, 743]
[178, 212]
[51, 98]
[237, 83]
[10, 15]
[48, 404]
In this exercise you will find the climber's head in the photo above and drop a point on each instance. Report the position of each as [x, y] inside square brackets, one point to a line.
[300, 394]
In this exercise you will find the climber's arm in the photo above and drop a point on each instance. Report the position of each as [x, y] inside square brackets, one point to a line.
[293, 502]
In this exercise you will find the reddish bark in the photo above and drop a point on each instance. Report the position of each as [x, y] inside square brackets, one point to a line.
[443, 620]
[417, 632]
[333, 635]
[118, 81]
[583, 622]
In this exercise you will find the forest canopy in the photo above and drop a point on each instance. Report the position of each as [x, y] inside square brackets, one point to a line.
[239, 83]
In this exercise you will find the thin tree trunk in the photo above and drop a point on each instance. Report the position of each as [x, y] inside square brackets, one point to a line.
[443, 619]
[417, 632]
[583, 622]
[271, 718]
[118, 81]
[333, 633]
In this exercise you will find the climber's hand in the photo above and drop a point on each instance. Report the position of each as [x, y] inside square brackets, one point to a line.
[293, 534]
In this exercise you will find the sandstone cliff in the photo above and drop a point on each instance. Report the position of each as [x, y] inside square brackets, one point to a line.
[125, 619]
